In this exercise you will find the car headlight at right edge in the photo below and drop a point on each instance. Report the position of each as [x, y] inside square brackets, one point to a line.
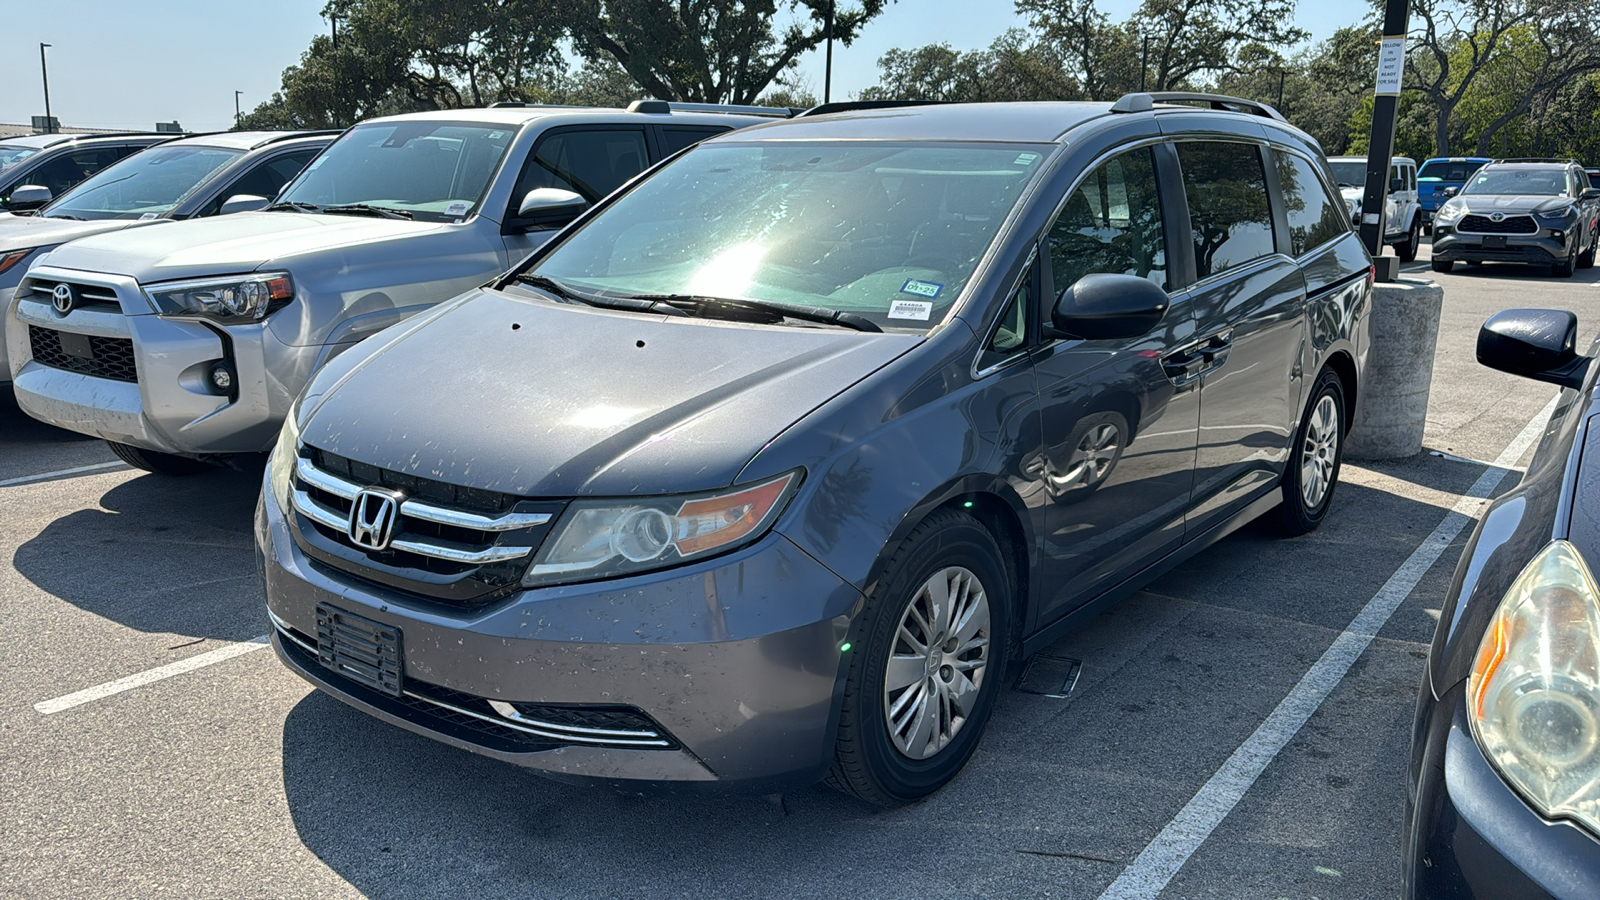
[597, 539]
[1533, 697]
[280, 466]
[234, 300]
[1450, 213]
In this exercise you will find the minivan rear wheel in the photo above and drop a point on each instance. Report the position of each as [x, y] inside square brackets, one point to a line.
[1314, 459]
[157, 462]
[924, 677]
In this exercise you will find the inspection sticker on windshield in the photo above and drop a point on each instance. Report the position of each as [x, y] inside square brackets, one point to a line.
[929, 289]
[457, 207]
[1024, 159]
[147, 216]
[911, 309]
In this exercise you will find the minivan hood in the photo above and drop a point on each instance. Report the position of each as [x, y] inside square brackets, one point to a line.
[19, 232]
[527, 398]
[225, 245]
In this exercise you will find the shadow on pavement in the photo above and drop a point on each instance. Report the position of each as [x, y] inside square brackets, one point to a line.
[18, 429]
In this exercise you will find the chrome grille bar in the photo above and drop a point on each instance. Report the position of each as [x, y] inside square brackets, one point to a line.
[314, 510]
[416, 509]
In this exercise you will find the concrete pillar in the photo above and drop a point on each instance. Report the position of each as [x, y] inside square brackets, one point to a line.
[1394, 388]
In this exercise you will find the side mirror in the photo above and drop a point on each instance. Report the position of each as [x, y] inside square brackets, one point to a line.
[1535, 343]
[1590, 194]
[1450, 191]
[550, 206]
[28, 197]
[1101, 307]
[243, 203]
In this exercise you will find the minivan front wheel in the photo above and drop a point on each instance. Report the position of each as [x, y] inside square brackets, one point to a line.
[1314, 458]
[923, 681]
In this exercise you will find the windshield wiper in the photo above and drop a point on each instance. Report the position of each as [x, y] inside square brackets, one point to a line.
[628, 304]
[367, 209]
[292, 206]
[712, 305]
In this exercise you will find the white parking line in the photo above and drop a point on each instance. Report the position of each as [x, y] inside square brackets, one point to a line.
[1161, 859]
[62, 473]
[199, 661]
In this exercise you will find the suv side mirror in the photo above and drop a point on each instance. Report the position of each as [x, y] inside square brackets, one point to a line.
[1102, 306]
[1592, 193]
[550, 206]
[28, 197]
[1535, 343]
[1450, 191]
[243, 203]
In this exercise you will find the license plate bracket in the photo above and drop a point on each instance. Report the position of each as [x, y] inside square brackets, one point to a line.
[1494, 242]
[76, 345]
[360, 649]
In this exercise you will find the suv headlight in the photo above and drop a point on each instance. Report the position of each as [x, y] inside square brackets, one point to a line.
[1450, 213]
[1533, 697]
[280, 466]
[228, 301]
[1558, 217]
[605, 538]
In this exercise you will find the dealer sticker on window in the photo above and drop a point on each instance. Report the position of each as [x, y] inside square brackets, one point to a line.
[929, 289]
[457, 207]
[911, 309]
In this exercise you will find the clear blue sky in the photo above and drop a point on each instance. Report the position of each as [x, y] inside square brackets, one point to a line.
[130, 63]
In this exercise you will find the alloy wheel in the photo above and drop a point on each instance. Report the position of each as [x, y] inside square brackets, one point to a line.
[937, 662]
[1320, 450]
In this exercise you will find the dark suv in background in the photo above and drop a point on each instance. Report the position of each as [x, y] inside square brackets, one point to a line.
[766, 467]
[57, 162]
[1535, 212]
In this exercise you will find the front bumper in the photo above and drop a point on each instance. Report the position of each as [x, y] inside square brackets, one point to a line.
[1469, 835]
[1540, 249]
[5, 360]
[736, 658]
[170, 407]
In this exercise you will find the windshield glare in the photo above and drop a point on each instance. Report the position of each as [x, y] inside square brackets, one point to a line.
[888, 231]
[1539, 182]
[10, 156]
[1349, 174]
[146, 185]
[436, 171]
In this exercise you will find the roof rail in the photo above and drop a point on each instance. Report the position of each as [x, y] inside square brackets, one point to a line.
[664, 107]
[1534, 159]
[518, 104]
[1144, 102]
[291, 135]
[852, 105]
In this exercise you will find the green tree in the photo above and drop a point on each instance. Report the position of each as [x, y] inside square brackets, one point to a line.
[1014, 67]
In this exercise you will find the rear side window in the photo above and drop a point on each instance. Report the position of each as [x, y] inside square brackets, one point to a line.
[675, 139]
[1111, 224]
[590, 163]
[66, 170]
[1228, 208]
[1314, 218]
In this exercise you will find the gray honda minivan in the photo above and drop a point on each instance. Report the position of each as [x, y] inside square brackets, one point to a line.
[765, 468]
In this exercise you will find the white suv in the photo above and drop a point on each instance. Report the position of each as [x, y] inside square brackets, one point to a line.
[1402, 228]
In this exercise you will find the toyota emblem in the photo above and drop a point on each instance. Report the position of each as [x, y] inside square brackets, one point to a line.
[372, 518]
[1497, 217]
[63, 299]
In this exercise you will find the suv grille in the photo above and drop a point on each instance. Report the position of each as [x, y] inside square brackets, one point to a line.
[461, 545]
[1475, 224]
[90, 296]
[106, 357]
[530, 727]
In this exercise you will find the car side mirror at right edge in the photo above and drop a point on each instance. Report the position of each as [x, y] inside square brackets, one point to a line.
[550, 207]
[1590, 194]
[1535, 343]
[28, 197]
[1105, 307]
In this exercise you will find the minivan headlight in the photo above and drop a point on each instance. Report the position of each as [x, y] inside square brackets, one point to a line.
[606, 538]
[1533, 697]
[234, 300]
[280, 466]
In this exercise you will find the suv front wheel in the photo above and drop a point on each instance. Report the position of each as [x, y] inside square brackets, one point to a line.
[159, 463]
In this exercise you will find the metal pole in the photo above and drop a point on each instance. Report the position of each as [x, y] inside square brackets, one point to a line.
[1144, 63]
[236, 108]
[1385, 109]
[49, 125]
[827, 71]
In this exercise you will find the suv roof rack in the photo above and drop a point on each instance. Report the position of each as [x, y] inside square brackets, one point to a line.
[1144, 102]
[1535, 159]
[665, 107]
[519, 104]
[851, 105]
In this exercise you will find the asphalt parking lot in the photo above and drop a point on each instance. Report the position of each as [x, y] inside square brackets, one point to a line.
[230, 777]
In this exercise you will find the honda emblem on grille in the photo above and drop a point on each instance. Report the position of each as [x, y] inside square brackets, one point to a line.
[372, 518]
[63, 299]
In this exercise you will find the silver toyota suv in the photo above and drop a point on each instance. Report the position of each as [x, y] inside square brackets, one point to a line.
[185, 344]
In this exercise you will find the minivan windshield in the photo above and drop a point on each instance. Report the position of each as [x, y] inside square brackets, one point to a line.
[429, 170]
[11, 155]
[146, 185]
[1539, 182]
[888, 231]
[1349, 173]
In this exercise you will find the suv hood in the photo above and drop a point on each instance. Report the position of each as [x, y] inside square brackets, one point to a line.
[1513, 203]
[581, 401]
[226, 245]
[19, 232]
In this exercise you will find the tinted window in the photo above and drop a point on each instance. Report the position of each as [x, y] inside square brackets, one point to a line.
[1111, 224]
[1349, 173]
[65, 171]
[675, 139]
[1011, 333]
[10, 156]
[1228, 209]
[1442, 170]
[266, 179]
[591, 163]
[1314, 217]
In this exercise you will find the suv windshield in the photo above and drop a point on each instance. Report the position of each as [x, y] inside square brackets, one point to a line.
[146, 185]
[1447, 170]
[1542, 182]
[10, 156]
[435, 171]
[1349, 173]
[887, 231]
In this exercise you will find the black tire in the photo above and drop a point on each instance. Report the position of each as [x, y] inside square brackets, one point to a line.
[1586, 258]
[1407, 250]
[159, 463]
[1566, 267]
[1295, 515]
[867, 762]
[1443, 265]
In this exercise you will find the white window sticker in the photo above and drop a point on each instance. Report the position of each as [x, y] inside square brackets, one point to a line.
[1025, 159]
[457, 207]
[496, 135]
[147, 216]
[929, 289]
[911, 309]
